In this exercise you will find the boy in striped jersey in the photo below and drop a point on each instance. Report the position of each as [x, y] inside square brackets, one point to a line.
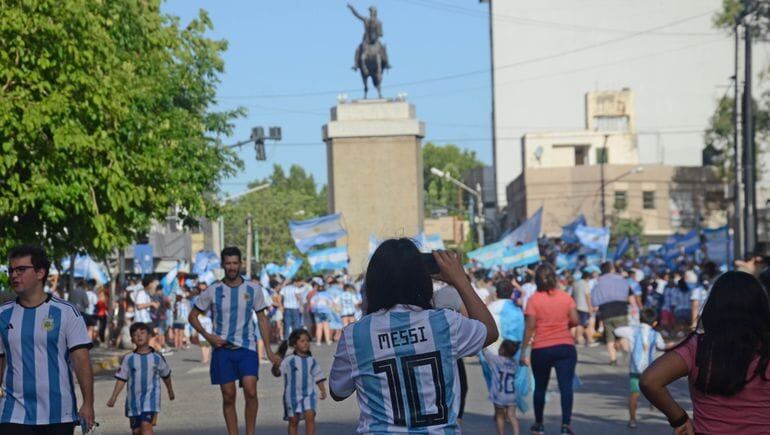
[141, 369]
[41, 338]
[231, 302]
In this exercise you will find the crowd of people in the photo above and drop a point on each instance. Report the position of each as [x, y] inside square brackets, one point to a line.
[392, 324]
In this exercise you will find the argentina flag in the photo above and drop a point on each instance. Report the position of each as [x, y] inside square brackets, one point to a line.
[430, 242]
[568, 231]
[566, 261]
[312, 232]
[622, 248]
[526, 232]
[169, 282]
[523, 255]
[328, 259]
[593, 237]
[292, 266]
[489, 255]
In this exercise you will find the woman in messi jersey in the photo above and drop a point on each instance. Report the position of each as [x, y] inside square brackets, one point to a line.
[400, 357]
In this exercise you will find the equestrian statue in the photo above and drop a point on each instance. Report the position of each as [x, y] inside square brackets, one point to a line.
[371, 55]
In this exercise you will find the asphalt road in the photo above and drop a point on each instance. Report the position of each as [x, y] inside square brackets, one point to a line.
[600, 402]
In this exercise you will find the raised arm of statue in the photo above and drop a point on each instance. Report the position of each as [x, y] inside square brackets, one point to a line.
[357, 15]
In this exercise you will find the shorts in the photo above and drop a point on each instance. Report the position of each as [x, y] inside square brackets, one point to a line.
[90, 319]
[585, 318]
[611, 324]
[633, 383]
[136, 421]
[321, 317]
[178, 325]
[230, 365]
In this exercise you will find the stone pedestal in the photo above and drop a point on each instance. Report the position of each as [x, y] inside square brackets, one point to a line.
[374, 159]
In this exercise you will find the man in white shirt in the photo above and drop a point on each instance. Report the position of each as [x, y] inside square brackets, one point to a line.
[143, 302]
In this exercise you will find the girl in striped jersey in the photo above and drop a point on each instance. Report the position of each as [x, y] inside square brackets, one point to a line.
[300, 372]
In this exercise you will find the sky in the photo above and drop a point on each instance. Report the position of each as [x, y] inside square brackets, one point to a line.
[289, 60]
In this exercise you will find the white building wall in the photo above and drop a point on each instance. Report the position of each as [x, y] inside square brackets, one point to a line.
[543, 69]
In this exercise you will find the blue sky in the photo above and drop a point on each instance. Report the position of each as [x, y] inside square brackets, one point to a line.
[289, 59]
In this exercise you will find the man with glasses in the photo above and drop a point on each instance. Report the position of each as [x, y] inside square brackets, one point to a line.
[41, 336]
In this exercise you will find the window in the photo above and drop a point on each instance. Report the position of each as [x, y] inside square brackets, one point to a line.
[581, 155]
[602, 155]
[648, 200]
[611, 123]
[620, 199]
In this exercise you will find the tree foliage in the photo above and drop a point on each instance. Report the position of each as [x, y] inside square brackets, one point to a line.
[448, 158]
[105, 122]
[292, 197]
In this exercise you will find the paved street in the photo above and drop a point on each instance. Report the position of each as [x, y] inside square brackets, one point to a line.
[600, 403]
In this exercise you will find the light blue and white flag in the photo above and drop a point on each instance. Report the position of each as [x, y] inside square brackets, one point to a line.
[87, 268]
[597, 238]
[676, 243]
[430, 242]
[622, 248]
[205, 261]
[527, 232]
[264, 278]
[568, 231]
[488, 255]
[328, 259]
[143, 263]
[209, 277]
[312, 232]
[169, 282]
[273, 269]
[523, 255]
[292, 265]
[566, 261]
[719, 245]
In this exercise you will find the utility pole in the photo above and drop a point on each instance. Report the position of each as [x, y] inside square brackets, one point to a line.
[749, 166]
[603, 155]
[249, 244]
[736, 224]
[480, 215]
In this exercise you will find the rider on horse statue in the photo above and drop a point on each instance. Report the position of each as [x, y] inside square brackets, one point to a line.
[371, 40]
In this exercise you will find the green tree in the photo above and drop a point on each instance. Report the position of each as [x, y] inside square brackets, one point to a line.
[288, 198]
[439, 192]
[105, 122]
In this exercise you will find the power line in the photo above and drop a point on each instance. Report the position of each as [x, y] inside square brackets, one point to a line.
[498, 17]
[483, 70]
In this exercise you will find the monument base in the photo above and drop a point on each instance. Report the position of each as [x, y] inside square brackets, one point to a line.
[374, 160]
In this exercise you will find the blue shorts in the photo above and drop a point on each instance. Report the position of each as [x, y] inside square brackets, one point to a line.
[136, 421]
[321, 317]
[230, 365]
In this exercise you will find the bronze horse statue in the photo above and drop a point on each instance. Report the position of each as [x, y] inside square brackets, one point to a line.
[371, 58]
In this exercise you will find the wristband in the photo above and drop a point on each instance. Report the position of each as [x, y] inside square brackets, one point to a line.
[679, 421]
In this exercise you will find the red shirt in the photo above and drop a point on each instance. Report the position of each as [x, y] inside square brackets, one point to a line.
[551, 312]
[746, 413]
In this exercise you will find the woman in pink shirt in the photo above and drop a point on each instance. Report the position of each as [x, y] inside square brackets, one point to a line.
[549, 315]
[725, 361]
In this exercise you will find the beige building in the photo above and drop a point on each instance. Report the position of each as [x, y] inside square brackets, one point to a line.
[452, 229]
[375, 172]
[563, 172]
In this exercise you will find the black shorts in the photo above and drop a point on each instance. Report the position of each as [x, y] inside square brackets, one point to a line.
[90, 319]
[46, 429]
[178, 326]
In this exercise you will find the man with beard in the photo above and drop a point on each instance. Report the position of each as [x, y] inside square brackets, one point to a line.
[235, 357]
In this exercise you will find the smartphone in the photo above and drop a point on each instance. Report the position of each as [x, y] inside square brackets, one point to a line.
[430, 264]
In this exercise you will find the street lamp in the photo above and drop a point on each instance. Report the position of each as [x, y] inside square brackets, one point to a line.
[259, 138]
[475, 192]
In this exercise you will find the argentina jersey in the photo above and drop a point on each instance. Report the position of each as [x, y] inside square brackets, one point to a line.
[231, 309]
[36, 343]
[300, 376]
[502, 391]
[142, 373]
[402, 363]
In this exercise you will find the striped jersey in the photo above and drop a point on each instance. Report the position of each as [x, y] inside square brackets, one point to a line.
[292, 297]
[231, 309]
[348, 301]
[402, 363]
[36, 343]
[142, 372]
[502, 391]
[300, 376]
